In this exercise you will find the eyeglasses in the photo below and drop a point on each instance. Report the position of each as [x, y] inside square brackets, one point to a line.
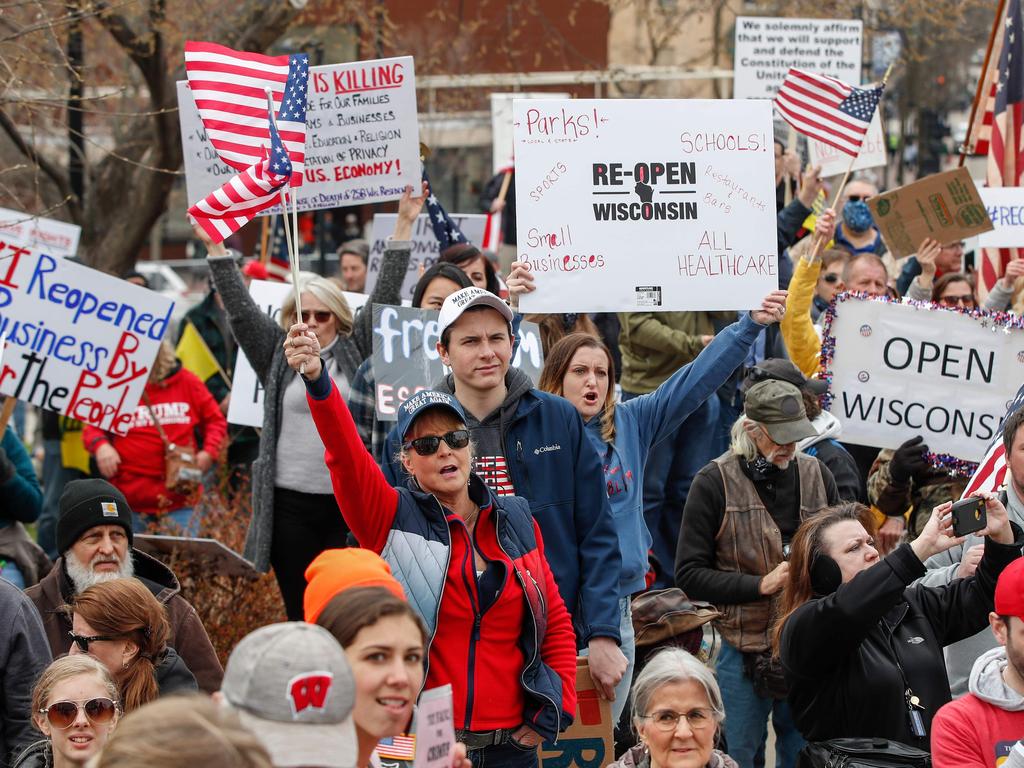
[830, 277]
[62, 714]
[428, 445]
[952, 301]
[858, 198]
[321, 315]
[668, 720]
[82, 641]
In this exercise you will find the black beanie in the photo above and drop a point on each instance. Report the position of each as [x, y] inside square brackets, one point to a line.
[86, 504]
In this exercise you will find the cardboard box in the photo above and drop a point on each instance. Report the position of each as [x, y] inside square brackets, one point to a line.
[588, 743]
[945, 207]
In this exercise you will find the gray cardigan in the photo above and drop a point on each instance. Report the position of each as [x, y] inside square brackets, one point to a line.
[262, 341]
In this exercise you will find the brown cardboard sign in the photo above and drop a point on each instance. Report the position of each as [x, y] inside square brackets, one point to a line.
[588, 743]
[945, 207]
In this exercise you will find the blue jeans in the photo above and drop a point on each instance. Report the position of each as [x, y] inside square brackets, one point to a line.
[627, 644]
[179, 522]
[746, 722]
[504, 756]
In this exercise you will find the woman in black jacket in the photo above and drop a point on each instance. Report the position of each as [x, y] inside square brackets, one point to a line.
[862, 651]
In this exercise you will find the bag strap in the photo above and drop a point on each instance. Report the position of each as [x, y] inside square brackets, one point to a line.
[156, 421]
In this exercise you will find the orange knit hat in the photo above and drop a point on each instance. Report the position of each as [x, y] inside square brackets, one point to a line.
[335, 570]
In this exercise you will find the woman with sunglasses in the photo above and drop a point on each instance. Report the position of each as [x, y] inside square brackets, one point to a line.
[121, 625]
[75, 706]
[294, 515]
[678, 713]
[470, 562]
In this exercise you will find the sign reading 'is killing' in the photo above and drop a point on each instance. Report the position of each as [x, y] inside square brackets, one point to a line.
[645, 205]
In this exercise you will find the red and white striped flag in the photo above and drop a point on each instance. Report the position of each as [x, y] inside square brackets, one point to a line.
[229, 88]
[991, 472]
[225, 210]
[828, 110]
[1006, 144]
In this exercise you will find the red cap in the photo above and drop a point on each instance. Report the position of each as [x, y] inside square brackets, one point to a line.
[1010, 590]
[335, 570]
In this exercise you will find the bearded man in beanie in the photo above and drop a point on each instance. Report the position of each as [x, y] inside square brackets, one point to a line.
[94, 539]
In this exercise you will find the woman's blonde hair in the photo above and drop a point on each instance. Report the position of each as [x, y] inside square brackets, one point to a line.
[164, 363]
[183, 732]
[63, 669]
[328, 293]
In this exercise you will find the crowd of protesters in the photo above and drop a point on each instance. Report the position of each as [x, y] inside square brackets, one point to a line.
[501, 528]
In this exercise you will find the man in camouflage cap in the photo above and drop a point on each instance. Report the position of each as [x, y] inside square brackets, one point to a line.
[742, 511]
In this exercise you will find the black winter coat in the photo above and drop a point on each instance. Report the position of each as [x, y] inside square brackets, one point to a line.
[843, 653]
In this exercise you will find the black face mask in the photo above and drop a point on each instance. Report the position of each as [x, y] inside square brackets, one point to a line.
[825, 575]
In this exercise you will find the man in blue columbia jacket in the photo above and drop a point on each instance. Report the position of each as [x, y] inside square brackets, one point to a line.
[533, 444]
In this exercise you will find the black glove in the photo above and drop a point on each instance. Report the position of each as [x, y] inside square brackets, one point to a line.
[908, 461]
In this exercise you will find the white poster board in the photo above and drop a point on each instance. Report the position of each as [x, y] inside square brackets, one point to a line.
[362, 137]
[435, 730]
[646, 205]
[81, 342]
[246, 406]
[1005, 206]
[425, 248]
[501, 124]
[767, 47]
[835, 163]
[57, 238]
[901, 370]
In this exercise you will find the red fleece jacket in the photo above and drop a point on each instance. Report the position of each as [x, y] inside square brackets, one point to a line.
[182, 404]
[486, 689]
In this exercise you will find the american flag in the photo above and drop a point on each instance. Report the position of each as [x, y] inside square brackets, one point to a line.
[229, 88]
[991, 472]
[980, 132]
[1005, 146]
[226, 210]
[828, 110]
[494, 230]
[446, 230]
[397, 747]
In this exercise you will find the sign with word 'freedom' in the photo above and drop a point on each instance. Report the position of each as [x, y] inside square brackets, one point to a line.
[646, 205]
[900, 370]
[362, 137]
[79, 342]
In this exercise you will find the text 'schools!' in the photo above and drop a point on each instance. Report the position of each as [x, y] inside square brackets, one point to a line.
[645, 205]
[79, 342]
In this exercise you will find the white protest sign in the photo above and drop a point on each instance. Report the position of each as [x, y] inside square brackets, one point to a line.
[501, 124]
[246, 405]
[900, 370]
[435, 731]
[425, 248]
[635, 205]
[362, 137]
[833, 162]
[767, 47]
[81, 342]
[57, 238]
[1005, 206]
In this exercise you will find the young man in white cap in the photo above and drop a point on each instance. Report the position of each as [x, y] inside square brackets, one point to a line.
[293, 688]
[533, 444]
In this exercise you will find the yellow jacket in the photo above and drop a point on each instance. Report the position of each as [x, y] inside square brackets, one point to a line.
[802, 340]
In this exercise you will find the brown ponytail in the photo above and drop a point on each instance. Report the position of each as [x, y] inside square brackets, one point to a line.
[126, 608]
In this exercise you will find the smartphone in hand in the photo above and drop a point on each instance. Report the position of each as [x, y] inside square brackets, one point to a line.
[969, 516]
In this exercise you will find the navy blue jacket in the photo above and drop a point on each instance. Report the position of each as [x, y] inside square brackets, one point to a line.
[554, 467]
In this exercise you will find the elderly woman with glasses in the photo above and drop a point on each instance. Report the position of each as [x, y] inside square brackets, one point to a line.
[75, 706]
[470, 562]
[677, 714]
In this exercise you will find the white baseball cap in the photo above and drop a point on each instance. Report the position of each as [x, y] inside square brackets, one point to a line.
[460, 301]
[293, 688]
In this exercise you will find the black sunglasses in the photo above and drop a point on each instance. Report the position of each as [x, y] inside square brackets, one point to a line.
[82, 641]
[321, 315]
[62, 714]
[858, 198]
[830, 277]
[428, 445]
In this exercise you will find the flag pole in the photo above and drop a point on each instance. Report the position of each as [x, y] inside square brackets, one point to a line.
[293, 250]
[979, 92]
[818, 242]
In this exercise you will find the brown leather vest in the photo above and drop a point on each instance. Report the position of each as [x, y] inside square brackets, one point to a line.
[749, 542]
